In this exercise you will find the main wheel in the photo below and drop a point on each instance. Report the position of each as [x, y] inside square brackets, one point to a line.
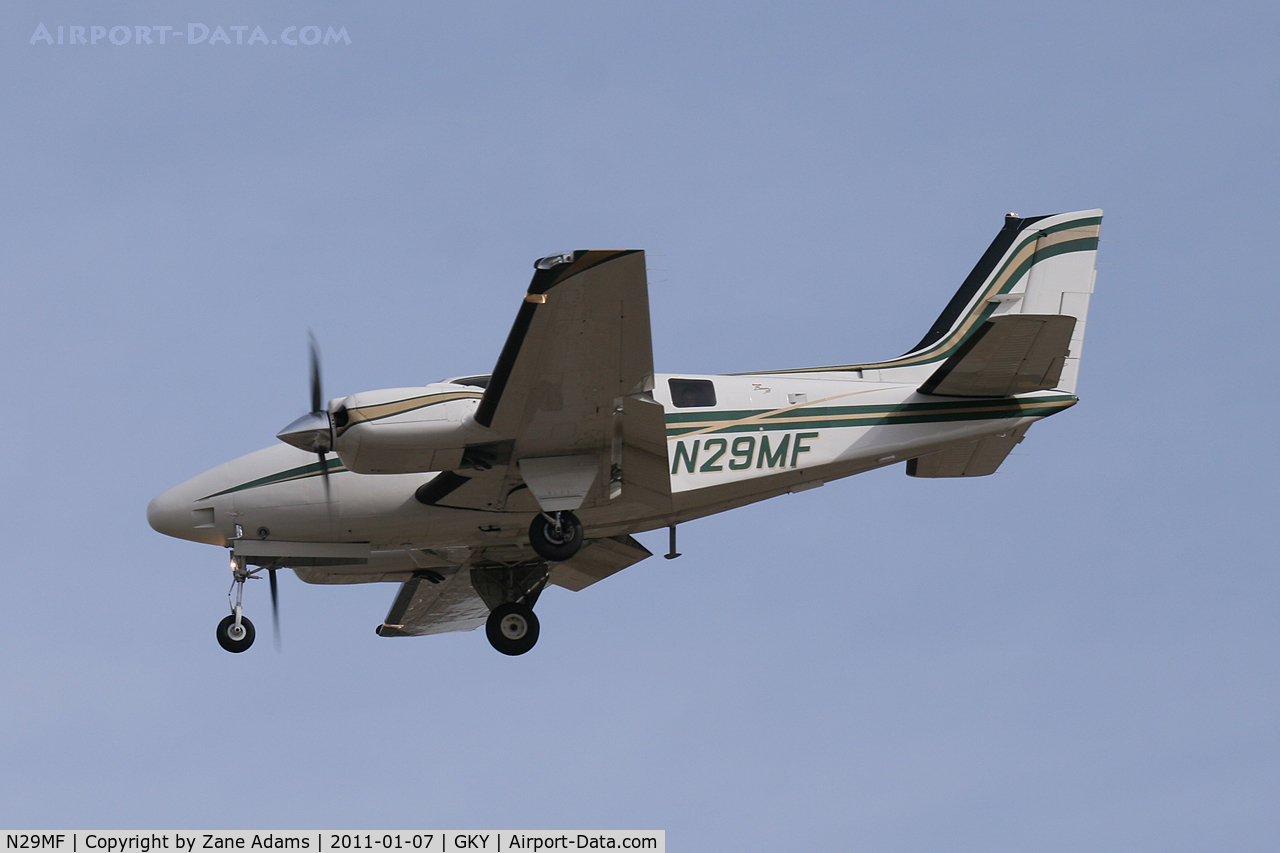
[235, 639]
[512, 628]
[555, 538]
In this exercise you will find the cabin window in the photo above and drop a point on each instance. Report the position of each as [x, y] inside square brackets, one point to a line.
[687, 393]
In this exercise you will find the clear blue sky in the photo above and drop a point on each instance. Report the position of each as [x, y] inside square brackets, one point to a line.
[1078, 653]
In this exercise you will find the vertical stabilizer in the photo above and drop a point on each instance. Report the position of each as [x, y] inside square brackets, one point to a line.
[1042, 266]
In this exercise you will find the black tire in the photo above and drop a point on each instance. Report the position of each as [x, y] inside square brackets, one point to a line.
[551, 545]
[512, 628]
[224, 634]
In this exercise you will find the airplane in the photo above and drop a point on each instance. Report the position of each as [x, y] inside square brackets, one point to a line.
[476, 493]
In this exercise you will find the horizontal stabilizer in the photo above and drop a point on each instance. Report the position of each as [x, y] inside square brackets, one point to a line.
[597, 561]
[1007, 355]
[972, 459]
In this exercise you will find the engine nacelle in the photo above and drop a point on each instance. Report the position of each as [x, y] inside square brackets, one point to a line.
[407, 430]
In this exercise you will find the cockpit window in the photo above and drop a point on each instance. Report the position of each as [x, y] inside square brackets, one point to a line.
[687, 393]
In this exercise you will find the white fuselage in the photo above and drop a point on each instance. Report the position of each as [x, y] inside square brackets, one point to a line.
[765, 435]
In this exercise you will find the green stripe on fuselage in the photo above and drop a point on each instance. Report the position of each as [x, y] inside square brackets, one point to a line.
[302, 472]
[830, 417]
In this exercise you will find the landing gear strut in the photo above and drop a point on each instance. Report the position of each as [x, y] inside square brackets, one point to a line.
[555, 536]
[235, 632]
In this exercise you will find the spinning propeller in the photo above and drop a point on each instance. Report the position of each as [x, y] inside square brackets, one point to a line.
[275, 606]
[314, 430]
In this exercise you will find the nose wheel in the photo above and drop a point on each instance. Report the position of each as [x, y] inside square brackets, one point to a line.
[235, 636]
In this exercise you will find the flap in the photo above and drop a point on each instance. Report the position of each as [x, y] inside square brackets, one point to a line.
[1010, 354]
[645, 473]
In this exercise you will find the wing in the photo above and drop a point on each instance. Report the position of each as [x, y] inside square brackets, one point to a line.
[430, 603]
[581, 340]
[568, 398]
[1010, 354]
[422, 607]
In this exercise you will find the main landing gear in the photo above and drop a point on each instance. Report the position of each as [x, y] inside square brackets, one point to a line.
[510, 591]
[512, 628]
[235, 632]
[555, 536]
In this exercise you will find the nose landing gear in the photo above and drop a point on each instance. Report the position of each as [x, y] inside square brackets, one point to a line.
[235, 632]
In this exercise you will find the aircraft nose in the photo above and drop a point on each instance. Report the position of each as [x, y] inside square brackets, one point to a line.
[182, 514]
[170, 514]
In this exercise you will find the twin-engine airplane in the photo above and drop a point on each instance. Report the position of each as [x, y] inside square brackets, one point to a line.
[477, 492]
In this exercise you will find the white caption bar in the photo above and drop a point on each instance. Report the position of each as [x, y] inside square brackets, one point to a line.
[326, 841]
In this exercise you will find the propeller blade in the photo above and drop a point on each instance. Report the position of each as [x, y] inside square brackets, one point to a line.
[324, 476]
[317, 397]
[314, 431]
[275, 606]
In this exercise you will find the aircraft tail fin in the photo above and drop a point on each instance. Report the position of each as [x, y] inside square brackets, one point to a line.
[1017, 322]
[1039, 269]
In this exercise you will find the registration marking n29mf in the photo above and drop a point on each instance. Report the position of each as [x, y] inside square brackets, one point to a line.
[743, 452]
